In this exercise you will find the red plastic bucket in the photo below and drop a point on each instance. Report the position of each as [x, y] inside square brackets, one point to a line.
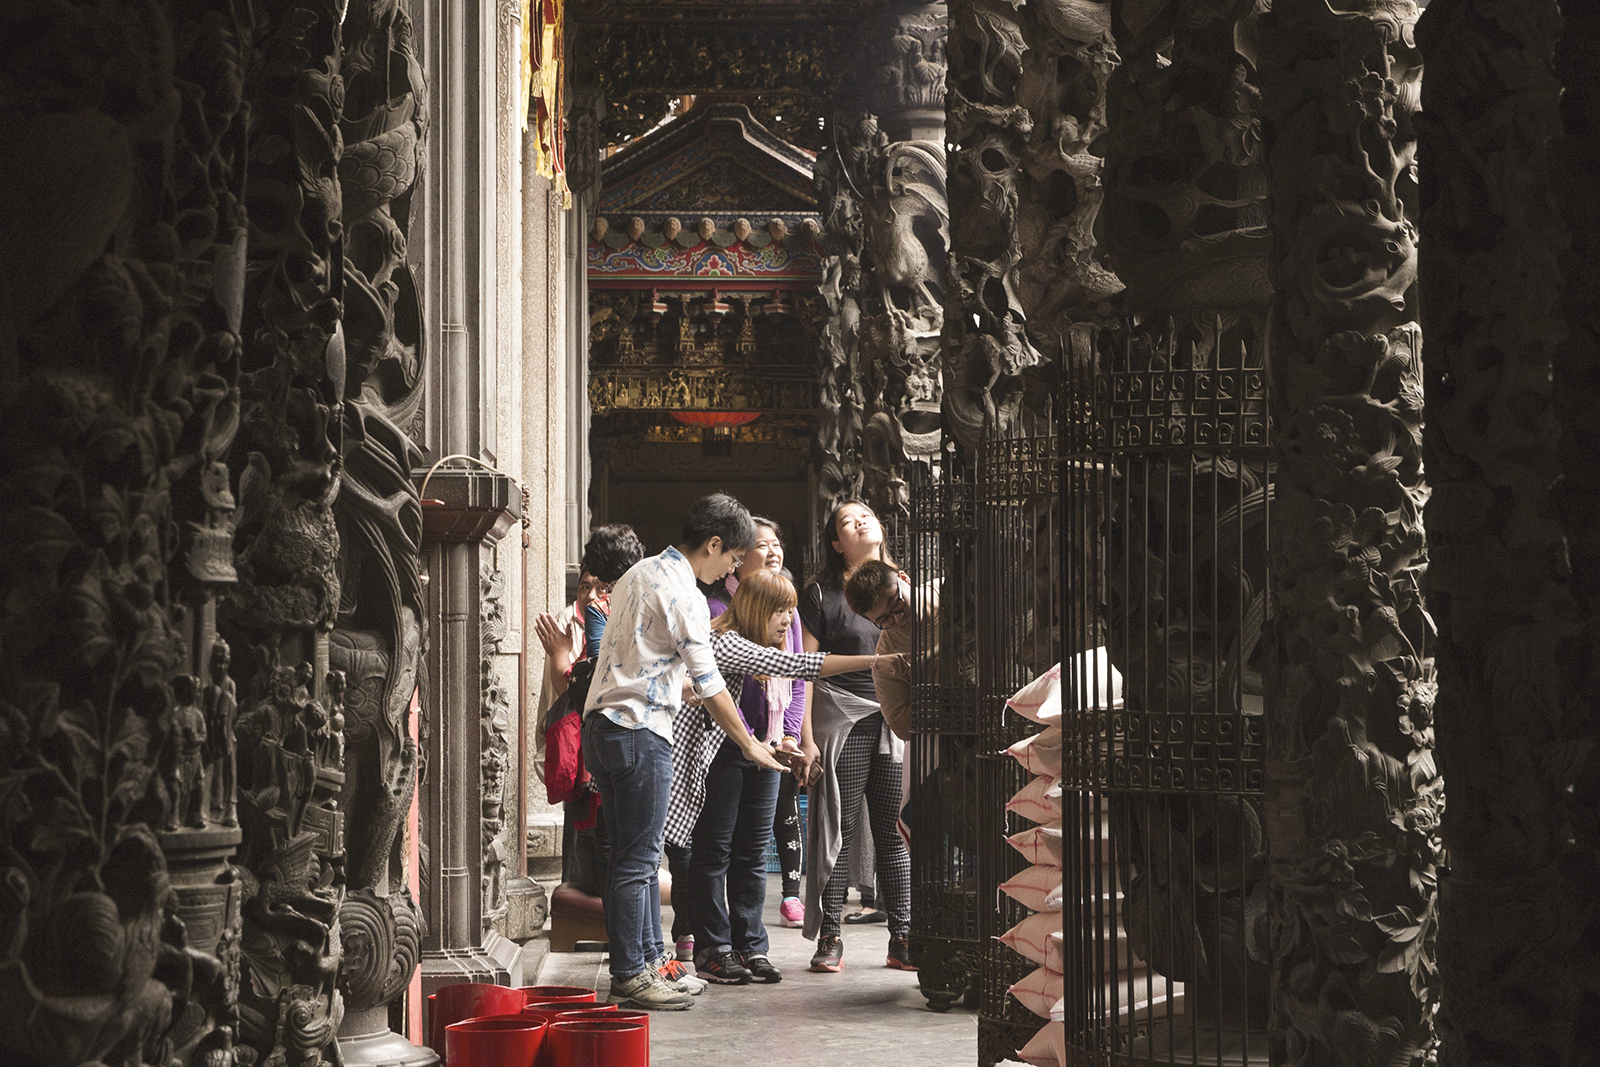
[563, 994]
[621, 1015]
[551, 1011]
[630, 1015]
[504, 1041]
[598, 1043]
[468, 1000]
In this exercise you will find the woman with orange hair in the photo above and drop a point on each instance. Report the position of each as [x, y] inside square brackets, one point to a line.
[723, 801]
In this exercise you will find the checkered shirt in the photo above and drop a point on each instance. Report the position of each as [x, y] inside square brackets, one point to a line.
[696, 738]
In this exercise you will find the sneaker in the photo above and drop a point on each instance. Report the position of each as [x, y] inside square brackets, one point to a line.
[900, 954]
[761, 968]
[678, 975]
[725, 969]
[684, 949]
[791, 912]
[829, 957]
[649, 991]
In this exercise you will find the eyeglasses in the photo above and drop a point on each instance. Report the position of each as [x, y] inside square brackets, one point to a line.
[891, 610]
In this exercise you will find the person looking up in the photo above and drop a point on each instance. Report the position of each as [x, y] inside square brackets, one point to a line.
[664, 636]
[845, 733]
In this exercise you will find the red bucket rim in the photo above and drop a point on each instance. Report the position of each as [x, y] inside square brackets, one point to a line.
[595, 1025]
[498, 1022]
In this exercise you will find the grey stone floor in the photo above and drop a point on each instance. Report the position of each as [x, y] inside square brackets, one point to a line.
[865, 1016]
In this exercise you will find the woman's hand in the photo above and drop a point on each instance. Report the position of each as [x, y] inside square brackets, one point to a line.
[810, 772]
[690, 697]
[897, 665]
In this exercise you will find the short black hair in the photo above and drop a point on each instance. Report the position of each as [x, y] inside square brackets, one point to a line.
[718, 515]
[871, 580]
[611, 550]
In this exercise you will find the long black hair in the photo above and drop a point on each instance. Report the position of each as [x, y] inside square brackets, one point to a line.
[833, 561]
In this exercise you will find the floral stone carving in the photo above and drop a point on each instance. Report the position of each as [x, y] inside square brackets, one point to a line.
[1353, 793]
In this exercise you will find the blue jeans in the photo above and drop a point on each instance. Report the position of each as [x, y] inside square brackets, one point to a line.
[633, 770]
[728, 863]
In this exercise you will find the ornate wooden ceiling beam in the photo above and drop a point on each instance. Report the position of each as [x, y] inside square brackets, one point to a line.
[789, 68]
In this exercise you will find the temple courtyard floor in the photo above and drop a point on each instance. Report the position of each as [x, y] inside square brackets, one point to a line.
[867, 1015]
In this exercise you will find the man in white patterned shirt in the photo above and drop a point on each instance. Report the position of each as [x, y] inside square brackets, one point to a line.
[659, 633]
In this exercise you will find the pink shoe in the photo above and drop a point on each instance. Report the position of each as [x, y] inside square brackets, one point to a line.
[791, 912]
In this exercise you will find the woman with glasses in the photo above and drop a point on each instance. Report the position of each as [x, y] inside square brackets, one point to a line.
[845, 734]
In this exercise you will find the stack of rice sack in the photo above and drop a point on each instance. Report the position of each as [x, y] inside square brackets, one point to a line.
[1038, 937]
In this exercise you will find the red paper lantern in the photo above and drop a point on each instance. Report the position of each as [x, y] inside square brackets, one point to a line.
[716, 419]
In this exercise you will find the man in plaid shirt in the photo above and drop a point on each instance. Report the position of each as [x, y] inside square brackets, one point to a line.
[659, 633]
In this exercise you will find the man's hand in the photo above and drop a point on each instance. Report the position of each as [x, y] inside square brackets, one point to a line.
[558, 641]
[726, 715]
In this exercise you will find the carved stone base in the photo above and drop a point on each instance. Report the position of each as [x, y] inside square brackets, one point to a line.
[527, 905]
[365, 1040]
[945, 967]
[999, 1040]
[450, 966]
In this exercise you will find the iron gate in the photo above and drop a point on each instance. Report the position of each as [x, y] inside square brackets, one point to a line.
[1018, 638]
[1166, 481]
[944, 726]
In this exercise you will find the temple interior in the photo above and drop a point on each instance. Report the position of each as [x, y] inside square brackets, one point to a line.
[1255, 644]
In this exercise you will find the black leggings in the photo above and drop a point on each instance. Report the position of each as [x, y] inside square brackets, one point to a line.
[786, 831]
[862, 770]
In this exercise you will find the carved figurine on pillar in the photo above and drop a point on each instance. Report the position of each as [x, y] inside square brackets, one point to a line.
[221, 706]
[185, 772]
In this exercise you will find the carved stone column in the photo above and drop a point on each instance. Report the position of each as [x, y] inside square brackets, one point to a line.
[1353, 793]
[1169, 416]
[122, 273]
[375, 651]
[475, 509]
[1508, 272]
[883, 194]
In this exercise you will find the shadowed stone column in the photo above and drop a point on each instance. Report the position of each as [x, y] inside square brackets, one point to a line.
[1353, 795]
[1508, 276]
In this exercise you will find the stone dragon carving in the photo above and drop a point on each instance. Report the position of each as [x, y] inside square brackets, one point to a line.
[1508, 268]
[377, 642]
[886, 211]
[290, 469]
[1353, 792]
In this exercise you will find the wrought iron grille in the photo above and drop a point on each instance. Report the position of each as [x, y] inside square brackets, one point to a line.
[942, 813]
[1166, 488]
[1019, 637]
